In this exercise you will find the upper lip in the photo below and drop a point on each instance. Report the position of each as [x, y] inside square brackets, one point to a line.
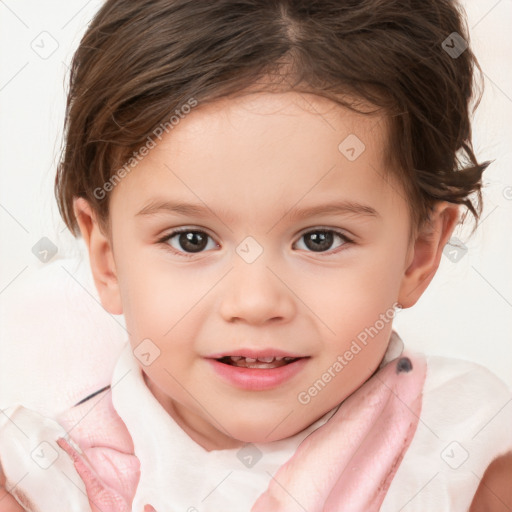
[255, 354]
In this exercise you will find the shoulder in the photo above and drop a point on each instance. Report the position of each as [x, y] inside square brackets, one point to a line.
[494, 493]
[448, 370]
[30, 462]
[467, 403]
[8, 503]
[464, 426]
[458, 391]
[482, 404]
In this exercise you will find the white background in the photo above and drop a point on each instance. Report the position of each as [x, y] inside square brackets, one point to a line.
[52, 308]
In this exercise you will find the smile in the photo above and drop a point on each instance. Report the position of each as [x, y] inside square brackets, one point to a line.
[255, 374]
[260, 362]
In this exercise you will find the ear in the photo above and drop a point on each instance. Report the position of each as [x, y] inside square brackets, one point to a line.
[426, 252]
[101, 256]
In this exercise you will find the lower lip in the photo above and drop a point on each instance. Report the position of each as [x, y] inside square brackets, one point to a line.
[257, 379]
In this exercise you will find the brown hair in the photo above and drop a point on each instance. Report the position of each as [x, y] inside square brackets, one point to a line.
[142, 60]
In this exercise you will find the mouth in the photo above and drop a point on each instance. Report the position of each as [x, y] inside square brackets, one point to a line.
[266, 363]
[261, 371]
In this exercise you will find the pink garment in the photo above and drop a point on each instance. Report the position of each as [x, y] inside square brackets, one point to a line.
[107, 466]
[351, 460]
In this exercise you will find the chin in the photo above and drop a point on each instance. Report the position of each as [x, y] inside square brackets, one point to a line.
[259, 432]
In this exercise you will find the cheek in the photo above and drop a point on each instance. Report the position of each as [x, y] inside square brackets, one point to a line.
[160, 301]
[149, 294]
[353, 297]
[355, 308]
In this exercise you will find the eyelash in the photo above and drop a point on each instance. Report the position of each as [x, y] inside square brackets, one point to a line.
[164, 241]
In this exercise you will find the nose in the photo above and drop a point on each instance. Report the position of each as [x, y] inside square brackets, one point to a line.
[255, 294]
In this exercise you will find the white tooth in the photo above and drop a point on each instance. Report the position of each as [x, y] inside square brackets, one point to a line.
[288, 358]
[236, 358]
[265, 359]
[259, 364]
[250, 360]
[279, 358]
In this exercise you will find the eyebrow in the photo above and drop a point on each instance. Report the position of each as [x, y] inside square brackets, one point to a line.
[202, 211]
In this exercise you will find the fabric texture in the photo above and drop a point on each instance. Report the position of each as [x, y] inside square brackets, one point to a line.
[232, 480]
[413, 440]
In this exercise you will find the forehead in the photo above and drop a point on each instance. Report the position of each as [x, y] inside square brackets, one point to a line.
[263, 152]
[261, 115]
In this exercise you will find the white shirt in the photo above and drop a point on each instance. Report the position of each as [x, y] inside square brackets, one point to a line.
[466, 421]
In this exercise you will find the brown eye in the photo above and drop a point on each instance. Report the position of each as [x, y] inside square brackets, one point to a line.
[322, 240]
[193, 241]
[188, 241]
[318, 240]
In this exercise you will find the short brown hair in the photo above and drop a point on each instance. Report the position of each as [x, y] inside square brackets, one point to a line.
[141, 60]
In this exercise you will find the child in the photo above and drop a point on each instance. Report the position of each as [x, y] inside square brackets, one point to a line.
[261, 185]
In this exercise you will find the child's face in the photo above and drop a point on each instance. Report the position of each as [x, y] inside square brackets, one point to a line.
[250, 166]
